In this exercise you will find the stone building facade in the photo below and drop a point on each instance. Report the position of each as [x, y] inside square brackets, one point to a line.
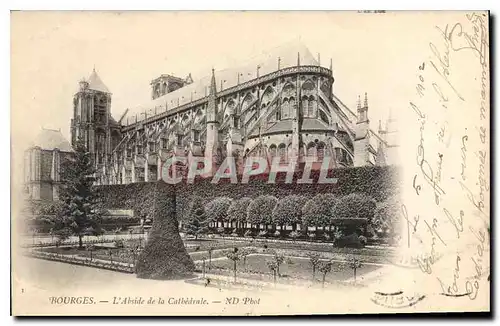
[281, 104]
[42, 164]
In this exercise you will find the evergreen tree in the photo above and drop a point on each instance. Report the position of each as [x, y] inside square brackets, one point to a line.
[196, 223]
[80, 212]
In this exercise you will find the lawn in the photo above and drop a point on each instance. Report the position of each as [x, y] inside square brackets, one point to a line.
[297, 268]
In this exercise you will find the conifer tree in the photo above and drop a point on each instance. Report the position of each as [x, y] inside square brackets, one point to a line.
[196, 223]
[80, 213]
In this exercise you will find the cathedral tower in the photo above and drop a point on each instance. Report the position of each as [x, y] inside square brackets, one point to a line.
[92, 118]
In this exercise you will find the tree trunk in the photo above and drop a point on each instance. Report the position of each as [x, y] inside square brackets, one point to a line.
[274, 274]
[80, 241]
[314, 272]
[234, 266]
[324, 276]
[209, 260]
[354, 274]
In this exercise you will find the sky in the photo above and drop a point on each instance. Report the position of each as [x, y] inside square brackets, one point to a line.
[52, 51]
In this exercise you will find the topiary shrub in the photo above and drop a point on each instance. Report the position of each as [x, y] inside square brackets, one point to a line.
[164, 256]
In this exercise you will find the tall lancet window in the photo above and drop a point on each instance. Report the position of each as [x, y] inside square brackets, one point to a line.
[292, 107]
[285, 109]
[272, 151]
[311, 107]
[305, 106]
[321, 151]
[282, 153]
[311, 150]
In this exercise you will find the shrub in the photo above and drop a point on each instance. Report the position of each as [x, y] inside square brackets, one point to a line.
[350, 241]
[164, 256]
[362, 239]
[294, 235]
[248, 233]
[277, 234]
[387, 217]
[119, 244]
[262, 233]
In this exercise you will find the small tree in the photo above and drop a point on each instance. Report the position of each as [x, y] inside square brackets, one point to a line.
[210, 249]
[235, 257]
[244, 253]
[279, 259]
[353, 211]
[325, 267]
[237, 212]
[217, 209]
[197, 221]
[90, 249]
[273, 266]
[354, 264]
[317, 211]
[314, 261]
[288, 211]
[260, 211]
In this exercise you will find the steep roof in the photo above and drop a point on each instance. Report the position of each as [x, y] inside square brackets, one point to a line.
[96, 84]
[49, 139]
[267, 61]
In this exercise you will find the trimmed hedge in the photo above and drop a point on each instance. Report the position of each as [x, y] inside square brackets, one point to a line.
[379, 182]
[164, 256]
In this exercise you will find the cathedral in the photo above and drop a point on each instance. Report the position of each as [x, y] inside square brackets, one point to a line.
[281, 104]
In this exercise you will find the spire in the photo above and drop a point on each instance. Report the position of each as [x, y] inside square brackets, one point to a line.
[380, 130]
[213, 84]
[359, 103]
[298, 58]
[331, 64]
[93, 70]
[319, 59]
[365, 104]
[96, 83]
[279, 63]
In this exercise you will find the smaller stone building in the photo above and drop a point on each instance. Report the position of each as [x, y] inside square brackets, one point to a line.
[42, 164]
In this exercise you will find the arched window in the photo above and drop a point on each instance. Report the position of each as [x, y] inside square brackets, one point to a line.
[321, 151]
[278, 114]
[282, 153]
[291, 107]
[323, 116]
[305, 105]
[312, 107]
[311, 150]
[285, 109]
[272, 151]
